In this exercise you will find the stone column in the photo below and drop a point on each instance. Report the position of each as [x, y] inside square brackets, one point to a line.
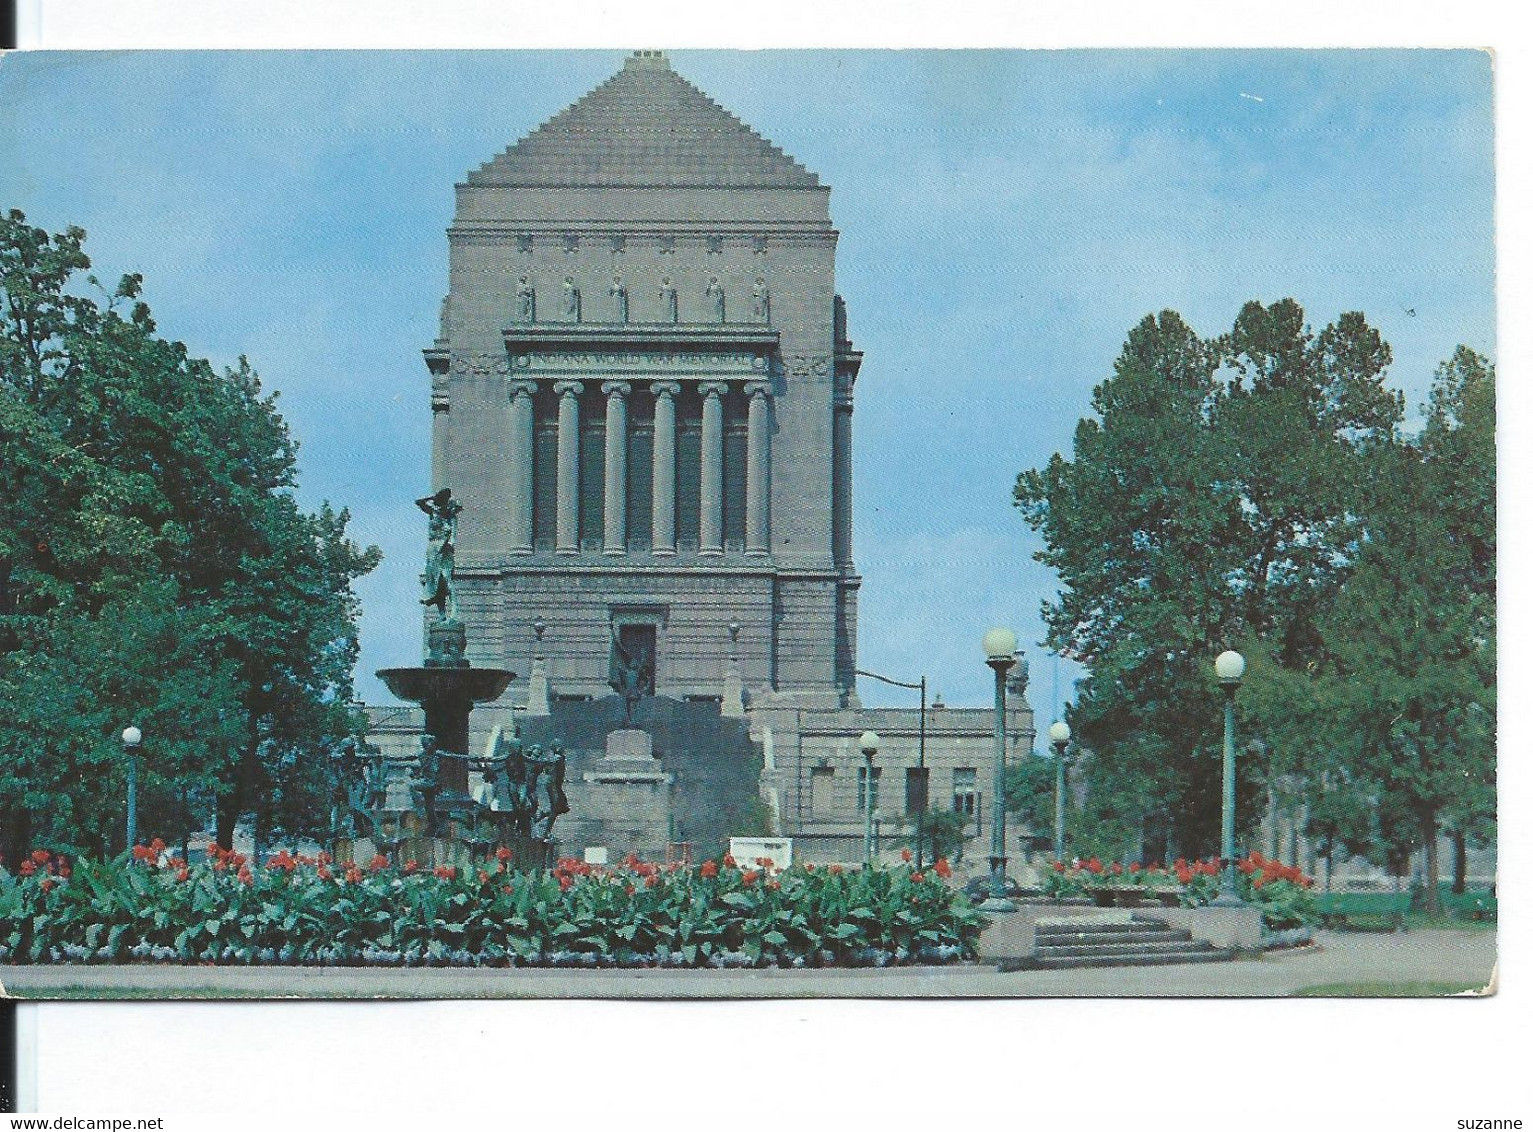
[520, 456]
[757, 462]
[615, 469]
[441, 423]
[711, 522]
[568, 522]
[841, 487]
[664, 506]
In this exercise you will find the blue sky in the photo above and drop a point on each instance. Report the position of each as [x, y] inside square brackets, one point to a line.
[1005, 217]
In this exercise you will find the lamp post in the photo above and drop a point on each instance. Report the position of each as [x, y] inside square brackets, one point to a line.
[921, 800]
[132, 741]
[1229, 667]
[1059, 735]
[1000, 646]
[868, 741]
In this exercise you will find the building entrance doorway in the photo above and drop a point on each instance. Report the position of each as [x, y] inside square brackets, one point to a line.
[636, 643]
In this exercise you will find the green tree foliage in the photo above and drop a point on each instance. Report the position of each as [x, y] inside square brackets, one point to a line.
[1030, 793]
[1410, 636]
[154, 568]
[1209, 504]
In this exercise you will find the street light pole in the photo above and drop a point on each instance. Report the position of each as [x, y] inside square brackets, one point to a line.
[1000, 654]
[132, 741]
[920, 756]
[1059, 735]
[1229, 667]
[868, 741]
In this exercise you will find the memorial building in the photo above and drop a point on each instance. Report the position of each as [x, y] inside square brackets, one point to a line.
[642, 394]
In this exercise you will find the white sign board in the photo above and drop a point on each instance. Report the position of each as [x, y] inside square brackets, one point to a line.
[747, 850]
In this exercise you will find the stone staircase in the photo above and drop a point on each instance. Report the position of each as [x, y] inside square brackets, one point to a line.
[1141, 941]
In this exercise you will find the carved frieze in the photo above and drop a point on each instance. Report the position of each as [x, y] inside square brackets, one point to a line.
[679, 362]
[479, 365]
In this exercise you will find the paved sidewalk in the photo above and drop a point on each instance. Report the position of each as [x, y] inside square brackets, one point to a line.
[1419, 956]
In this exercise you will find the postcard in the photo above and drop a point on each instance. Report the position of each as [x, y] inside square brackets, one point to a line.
[431, 566]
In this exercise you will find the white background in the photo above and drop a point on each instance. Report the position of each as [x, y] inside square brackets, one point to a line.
[1033, 1064]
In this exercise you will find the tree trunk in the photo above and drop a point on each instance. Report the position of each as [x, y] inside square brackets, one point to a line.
[1433, 897]
[234, 803]
[228, 818]
[1460, 861]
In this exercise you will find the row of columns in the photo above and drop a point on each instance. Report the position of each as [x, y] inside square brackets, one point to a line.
[615, 487]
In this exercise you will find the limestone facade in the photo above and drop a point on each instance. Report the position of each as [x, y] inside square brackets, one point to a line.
[642, 393]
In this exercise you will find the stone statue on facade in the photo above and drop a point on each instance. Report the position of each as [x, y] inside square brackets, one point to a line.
[715, 293]
[761, 301]
[619, 299]
[629, 676]
[668, 299]
[526, 301]
[441, 546]
[571, 300]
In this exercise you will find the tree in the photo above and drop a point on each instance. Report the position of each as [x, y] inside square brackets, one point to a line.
[1411, 635]
[154, 568]
[1209, 503]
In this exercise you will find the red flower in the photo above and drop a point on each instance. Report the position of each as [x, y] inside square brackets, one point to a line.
[835, 870]
[1094, 866]
[245, 875]
[565, 880]
[906, 855]
[484, 877]
[749, 877]
[629, 889]
[442, 872]
[651, 880]
[917, 877]
[27, 868]
[140, 853]
[708, 870]
[378, 863]
[774, 884]
[48, 883]
[942, 868]
[1059, 866]
[324, 872]
[502, 854]
[64, 870]
[157, 845]
[412, 865]
[40, 856]
[353, 875]
[1117, 869]
[183, 874]
[809, 866]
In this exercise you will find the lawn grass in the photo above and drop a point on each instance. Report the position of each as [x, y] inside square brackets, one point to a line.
[1386, 990]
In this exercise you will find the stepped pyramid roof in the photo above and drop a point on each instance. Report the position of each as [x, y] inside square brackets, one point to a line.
[646, 125]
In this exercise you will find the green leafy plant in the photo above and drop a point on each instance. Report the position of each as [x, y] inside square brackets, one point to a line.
[312, 910]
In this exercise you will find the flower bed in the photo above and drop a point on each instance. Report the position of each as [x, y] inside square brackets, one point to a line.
[1282, 892]
[301, 910]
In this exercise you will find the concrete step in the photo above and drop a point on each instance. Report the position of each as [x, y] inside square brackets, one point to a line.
[1047, 962]
[1070, 927]
[1076, 939]
[1116, 948]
